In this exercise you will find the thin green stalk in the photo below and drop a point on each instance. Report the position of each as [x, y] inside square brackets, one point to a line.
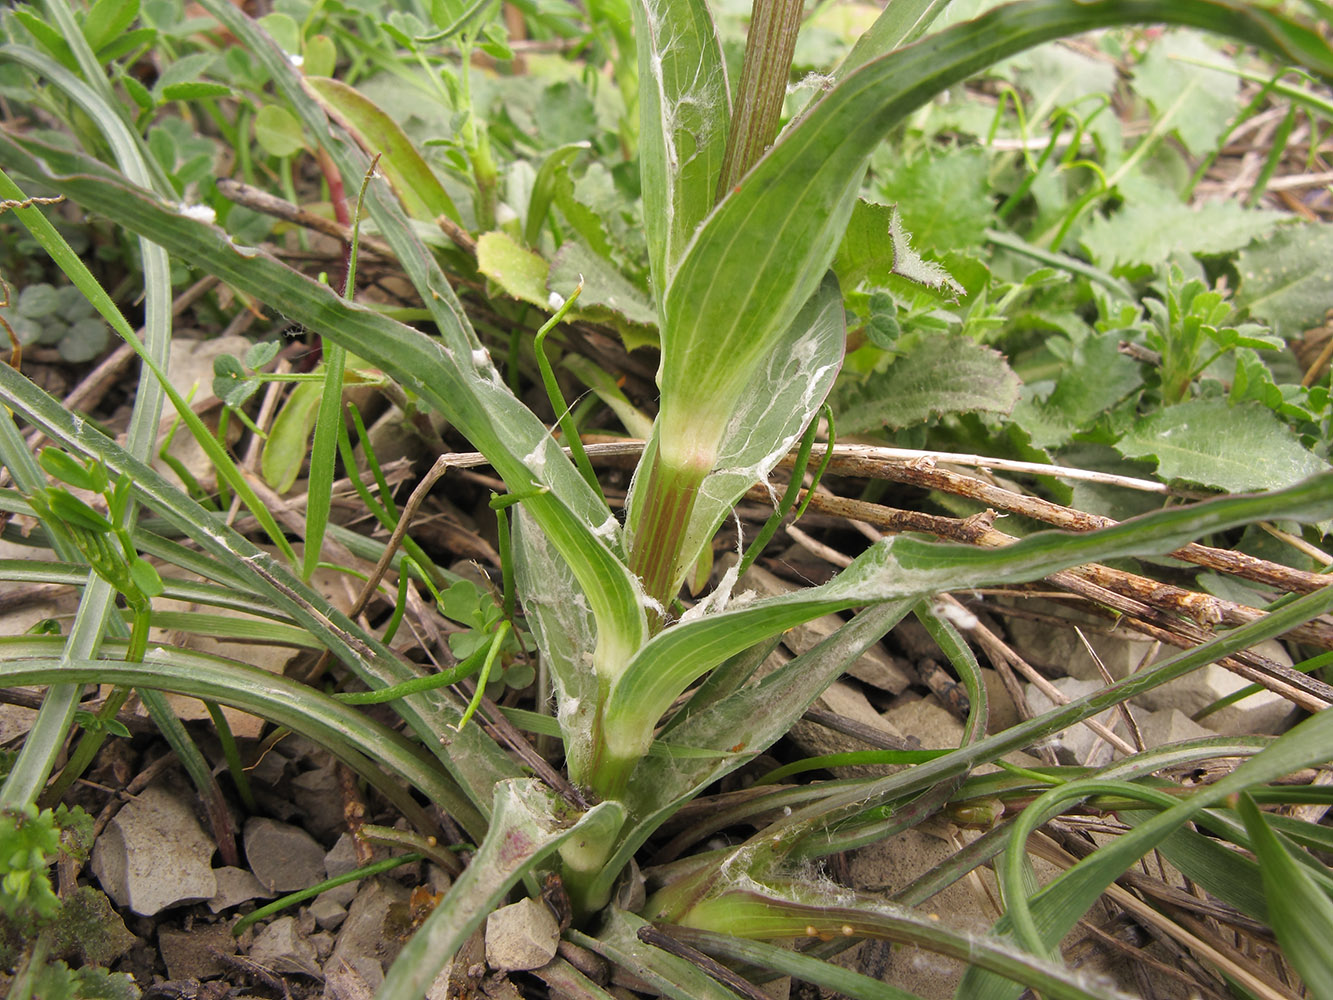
[564, 417]
[769, 46]
[379, 696]
[492, 652]
[301, 895]
[86, 751]
[324, 446]
[788, 501]
[239, 778]
[372, 461]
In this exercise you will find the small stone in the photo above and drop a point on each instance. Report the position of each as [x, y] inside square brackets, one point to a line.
[1078, 744]
[283, 857]
[328, 913]
[352, 980]
[316, 793]
[341, 858]
[1168, 726]
[236, 886]
[373, 931]
[190, 954]
[323, 942]
[281, 947]
[1262, 712]
[154, 854]
[523, 935]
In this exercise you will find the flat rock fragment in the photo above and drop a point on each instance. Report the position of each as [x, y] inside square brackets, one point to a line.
[154, 854]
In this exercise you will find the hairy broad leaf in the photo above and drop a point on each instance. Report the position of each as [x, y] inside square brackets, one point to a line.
[1094, 376]
[1284, 279]
[944, 197]
[942, 375]
[1198, 103]
[1148, 233]
[603, 286]
[1209, 441]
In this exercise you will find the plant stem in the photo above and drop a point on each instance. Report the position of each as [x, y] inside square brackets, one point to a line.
[94, 738]
[660, 532]
[768, 53]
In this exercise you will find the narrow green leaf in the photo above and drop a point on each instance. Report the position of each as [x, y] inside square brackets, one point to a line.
[195, 90]
[685, 113]
[414, 182]
[902, 21]
[323, 450]
[904, 567]
[543, 188]
[68, 470]
[1281, 280]
[1299, 910]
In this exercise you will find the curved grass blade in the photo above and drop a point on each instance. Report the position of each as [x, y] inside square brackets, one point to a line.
[1299, 910]
[37, 757]
[344, 731]
[467, 389]
[904, 567]
[1056, 907]
[475, 761]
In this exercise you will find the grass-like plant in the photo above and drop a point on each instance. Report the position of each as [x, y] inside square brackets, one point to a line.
[742, 223]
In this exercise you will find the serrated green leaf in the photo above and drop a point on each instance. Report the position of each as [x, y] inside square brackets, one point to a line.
[107, 19]
[942, 375]
[1284, 279]
[1094, 376]
[1143, 233]
[1199, 103]
[603, 285]
[422, 194]
[1208, 441]
[944, 197]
